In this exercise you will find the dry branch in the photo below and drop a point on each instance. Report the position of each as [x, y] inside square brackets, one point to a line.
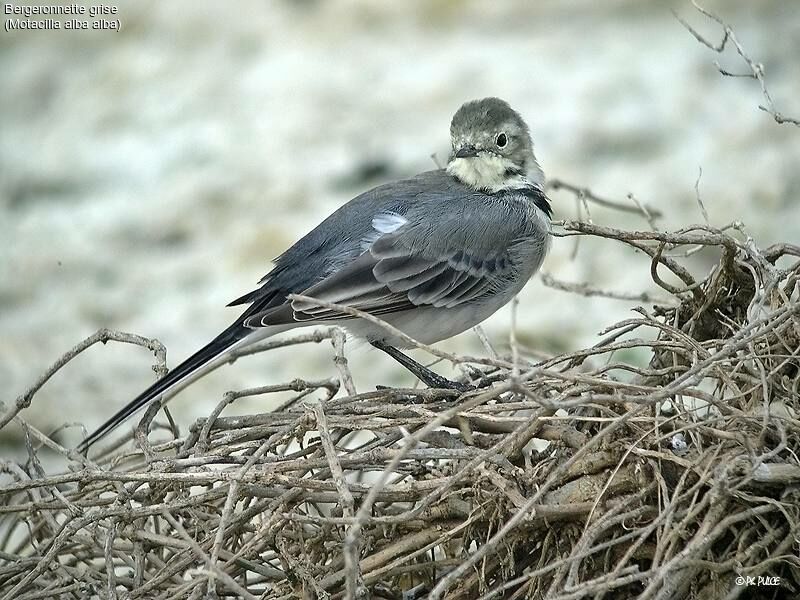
[755, 70]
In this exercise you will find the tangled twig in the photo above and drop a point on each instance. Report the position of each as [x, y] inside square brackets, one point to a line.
[582, 475]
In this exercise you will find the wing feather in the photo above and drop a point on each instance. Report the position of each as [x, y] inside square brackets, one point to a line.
[392, 278]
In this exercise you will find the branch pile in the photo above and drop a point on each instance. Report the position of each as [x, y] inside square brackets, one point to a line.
[583, 475]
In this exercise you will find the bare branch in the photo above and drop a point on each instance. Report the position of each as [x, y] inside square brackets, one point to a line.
[756, 69]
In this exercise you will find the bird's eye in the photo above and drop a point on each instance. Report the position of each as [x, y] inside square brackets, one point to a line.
[501, 140]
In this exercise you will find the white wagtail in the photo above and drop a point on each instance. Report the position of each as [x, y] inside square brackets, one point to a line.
[432, 255]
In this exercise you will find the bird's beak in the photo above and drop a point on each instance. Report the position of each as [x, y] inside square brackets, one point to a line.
[466, 152]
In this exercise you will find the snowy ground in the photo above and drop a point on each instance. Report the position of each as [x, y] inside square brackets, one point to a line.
[148, 177]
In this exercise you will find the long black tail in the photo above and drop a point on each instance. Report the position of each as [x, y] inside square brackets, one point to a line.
[191, 365]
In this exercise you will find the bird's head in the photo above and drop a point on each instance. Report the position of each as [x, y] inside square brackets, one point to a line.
[492, 147]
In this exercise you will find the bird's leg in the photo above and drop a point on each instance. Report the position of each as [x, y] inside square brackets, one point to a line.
[423, 373]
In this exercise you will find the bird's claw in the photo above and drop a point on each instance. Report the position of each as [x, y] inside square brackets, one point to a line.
[443, 383]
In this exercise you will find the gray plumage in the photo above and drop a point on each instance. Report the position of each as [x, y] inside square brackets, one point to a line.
[432, 255]
[452, 247]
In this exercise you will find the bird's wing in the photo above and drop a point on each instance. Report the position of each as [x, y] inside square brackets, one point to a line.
[428, 241]
[393, 275]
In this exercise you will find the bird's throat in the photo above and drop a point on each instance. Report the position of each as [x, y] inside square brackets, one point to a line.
[487, 172]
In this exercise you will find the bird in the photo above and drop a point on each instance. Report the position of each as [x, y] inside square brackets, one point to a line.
[433, 255]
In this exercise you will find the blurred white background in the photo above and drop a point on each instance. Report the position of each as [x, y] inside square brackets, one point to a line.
[148, 177]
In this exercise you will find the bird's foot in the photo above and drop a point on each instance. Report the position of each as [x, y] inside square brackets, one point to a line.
[440, 383]
[424, 374]
[435, 381]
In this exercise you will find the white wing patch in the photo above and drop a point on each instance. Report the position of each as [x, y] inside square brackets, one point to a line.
[383, 223]
[388, 222]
